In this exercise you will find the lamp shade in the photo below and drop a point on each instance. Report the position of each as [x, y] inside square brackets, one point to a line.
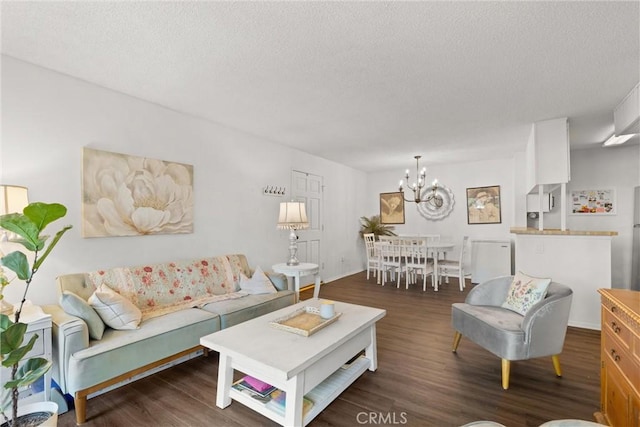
[293, 216]
[13, 199]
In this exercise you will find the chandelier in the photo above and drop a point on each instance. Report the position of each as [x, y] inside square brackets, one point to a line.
[432, 196]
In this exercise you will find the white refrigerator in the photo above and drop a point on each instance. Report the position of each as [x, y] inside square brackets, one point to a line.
[635, 255]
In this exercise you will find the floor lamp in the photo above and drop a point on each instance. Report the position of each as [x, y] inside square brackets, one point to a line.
[293, 216]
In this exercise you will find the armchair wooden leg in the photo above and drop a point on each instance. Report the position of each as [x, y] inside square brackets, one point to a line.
[506, 368]
[556, 364]
[456, 341]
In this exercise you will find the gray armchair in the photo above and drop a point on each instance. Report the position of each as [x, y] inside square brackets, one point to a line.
[506, 333]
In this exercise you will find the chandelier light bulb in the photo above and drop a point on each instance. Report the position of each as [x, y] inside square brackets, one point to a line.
[433, 198]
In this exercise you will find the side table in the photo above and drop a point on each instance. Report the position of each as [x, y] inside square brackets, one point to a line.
[38, 322]
[295, 272]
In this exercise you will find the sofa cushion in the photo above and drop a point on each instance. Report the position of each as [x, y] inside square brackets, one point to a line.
[525, 291]
[115, 310]
[121, 351]
[74, 305]
[258, 284]
[499, 329]
[237, 311]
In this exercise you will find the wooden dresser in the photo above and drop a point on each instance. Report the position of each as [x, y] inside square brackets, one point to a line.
[620, 358]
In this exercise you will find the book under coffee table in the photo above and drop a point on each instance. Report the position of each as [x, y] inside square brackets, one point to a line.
[300, 366]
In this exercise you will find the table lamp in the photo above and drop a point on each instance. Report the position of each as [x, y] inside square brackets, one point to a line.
[293, 216]
[13, 199]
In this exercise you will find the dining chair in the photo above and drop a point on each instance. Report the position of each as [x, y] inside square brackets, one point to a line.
[416, 262]
[372, 254]
[391, 261]
[447, 268]
[431, 238]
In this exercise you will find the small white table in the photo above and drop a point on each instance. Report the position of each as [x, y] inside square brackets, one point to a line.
[38, 322]
[295, 272]
[298, 365]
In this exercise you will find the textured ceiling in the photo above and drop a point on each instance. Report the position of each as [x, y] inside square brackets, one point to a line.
[366, 84]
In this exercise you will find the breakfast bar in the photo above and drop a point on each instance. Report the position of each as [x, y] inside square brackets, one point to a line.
[578, 259]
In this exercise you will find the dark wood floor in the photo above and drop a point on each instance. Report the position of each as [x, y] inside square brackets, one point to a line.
[419, 381]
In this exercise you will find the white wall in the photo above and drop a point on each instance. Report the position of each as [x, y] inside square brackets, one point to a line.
[458, 177]
[48, 117]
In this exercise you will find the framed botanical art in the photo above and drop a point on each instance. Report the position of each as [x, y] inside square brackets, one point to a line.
[391, 208]
[593, 202]
[483, 205]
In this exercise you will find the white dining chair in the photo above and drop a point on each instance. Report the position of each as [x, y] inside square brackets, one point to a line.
[373, 258]
[390, 261]
[451, 268]
[416, 262]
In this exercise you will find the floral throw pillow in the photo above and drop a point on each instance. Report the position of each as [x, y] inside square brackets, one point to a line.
[524, 292]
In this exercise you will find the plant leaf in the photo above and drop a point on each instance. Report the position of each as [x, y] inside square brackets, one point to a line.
[15, 356]
[55, 240]
[5, 400]
[42, 214]
[30, 372]
[25, 228]
[5, 322]
[17, 262]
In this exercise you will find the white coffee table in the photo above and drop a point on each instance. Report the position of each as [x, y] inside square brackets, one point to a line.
[301, 366]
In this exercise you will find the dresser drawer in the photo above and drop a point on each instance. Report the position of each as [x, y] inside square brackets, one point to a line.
[36, 351]
[612, 324]
[617, 355]
[635, 350]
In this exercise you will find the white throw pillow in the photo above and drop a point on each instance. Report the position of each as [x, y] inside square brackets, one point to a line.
[258, 284]
[524, 292]
[115, 310]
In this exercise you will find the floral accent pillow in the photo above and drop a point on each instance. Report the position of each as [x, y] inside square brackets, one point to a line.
[524, 292]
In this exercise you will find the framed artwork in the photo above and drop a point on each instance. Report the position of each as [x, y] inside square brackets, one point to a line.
[483, 205]
[592, 202]
[126, 195]
[391, 208]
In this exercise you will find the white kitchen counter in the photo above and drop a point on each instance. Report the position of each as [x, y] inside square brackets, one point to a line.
[580, 260]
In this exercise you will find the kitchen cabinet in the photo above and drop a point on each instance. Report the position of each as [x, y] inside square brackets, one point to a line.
[548, 161]
[626, 115]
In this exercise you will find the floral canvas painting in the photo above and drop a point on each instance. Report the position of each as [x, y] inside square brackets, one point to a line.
[126, 195]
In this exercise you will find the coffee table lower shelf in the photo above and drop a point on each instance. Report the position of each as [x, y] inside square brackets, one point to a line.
[321, 396]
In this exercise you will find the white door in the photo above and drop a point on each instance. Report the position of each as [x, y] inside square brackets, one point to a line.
[307, 188]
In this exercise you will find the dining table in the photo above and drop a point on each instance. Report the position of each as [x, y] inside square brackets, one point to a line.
[437, 248]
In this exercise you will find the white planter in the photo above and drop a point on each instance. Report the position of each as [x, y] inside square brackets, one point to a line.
[52, 407]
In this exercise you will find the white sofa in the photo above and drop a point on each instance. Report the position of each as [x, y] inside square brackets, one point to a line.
[82, 366]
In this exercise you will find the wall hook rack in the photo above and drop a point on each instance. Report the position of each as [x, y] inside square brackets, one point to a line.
[273, 190]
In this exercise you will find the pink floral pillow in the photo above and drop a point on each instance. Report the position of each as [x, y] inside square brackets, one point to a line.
[524, 292]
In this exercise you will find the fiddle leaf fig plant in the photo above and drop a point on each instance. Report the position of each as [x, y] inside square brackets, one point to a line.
[28, 226]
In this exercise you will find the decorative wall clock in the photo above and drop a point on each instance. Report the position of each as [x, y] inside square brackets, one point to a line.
[433, 213]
